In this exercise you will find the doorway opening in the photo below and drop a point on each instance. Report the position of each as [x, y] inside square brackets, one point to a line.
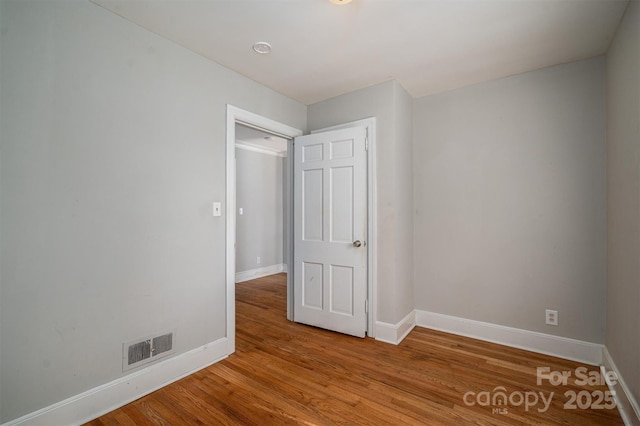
[237, 116]
[261, 200]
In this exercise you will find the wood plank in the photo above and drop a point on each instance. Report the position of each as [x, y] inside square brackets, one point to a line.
[287, 373]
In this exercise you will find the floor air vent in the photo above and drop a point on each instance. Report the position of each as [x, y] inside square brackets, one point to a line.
[143, 351]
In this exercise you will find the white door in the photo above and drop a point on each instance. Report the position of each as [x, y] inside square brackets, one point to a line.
[330, 230]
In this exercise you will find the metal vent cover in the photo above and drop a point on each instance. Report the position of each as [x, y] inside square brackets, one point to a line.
[162, 344]
[138, 352]
[145, 350]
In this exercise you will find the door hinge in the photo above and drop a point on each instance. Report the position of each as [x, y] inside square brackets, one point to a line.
[366, 306]
[366, 140]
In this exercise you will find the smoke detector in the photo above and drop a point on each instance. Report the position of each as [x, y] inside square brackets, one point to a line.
[262, 47]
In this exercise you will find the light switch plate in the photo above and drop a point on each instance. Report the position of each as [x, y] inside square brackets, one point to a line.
[217, 209]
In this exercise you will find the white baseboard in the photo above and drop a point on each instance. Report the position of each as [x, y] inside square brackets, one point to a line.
[252, 274]
[562, 347]
[95, 402]
[626, 403]
[395, 333]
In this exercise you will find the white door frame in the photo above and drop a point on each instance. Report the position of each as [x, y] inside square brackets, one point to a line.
[372, 217]
[239, 116]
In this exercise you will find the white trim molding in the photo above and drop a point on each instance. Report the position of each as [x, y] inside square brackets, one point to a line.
[395, 333]
[626, 403]
[100, 400]
[562, 347]
[265, 271]
[249, 147]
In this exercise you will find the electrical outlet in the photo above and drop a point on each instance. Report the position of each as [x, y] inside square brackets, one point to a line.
[551, 317]
[258, 260]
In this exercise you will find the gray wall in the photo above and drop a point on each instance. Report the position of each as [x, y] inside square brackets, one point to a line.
[403, 205]
[389, 103]
[113, 149]
[510, 201]
[259, 190]
[623, 199]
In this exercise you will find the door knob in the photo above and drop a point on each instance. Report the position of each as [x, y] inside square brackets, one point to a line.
[357, 243]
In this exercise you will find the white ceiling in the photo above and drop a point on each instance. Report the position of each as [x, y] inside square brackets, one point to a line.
[321, 50]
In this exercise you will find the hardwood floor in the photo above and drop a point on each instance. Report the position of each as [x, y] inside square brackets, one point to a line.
[287, 373]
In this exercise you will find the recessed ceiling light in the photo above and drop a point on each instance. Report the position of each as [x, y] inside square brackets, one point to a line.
[262, 47]
[340, 1]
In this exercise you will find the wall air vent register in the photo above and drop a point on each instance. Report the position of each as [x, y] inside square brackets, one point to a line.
[146, 350]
